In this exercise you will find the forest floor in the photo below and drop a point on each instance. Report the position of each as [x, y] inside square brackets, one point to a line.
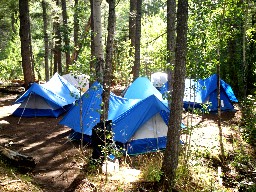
[60, 163]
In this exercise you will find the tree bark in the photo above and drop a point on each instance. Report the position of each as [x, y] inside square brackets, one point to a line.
[218, 69]
[171, 41]
[132, 29]
[170, 161]
[79, 44]
[66, 33]
[46, 41]
[109, 57]
[76, 24]
[245, 66]
[25, 38]
[98, 47]
[57, 46]
[92, 62]
[137, 41]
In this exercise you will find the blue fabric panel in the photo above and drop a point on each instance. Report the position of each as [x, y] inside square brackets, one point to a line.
[37, 112]
[91, 106]
[76, 136]
[62, 89]
[142, 88]
[146, 145]
[228, 90]
[214, 102]
[119, 105]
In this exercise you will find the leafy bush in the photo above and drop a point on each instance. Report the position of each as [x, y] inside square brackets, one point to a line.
[249, 119]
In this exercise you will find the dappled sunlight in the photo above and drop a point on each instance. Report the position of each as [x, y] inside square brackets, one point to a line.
[8, 110]
[126, 175]
[33, 145]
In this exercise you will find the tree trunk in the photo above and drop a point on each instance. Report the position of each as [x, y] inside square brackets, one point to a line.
[109, 57]
[170, 161]
[132, 29]
[244, 49]
[171, 40]
[98, 47]
[137, 41]
[66, 33]
[79, 44]
[46, 41]
[57, 46]
[222, 152]
[76, 27]
[92, 62]
[25, 39]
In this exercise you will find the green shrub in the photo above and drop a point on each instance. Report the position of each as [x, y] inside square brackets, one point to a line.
[249, 120]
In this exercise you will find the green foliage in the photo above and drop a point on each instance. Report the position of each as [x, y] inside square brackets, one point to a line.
[122, 64]
[249, 119]
[151, 168]
[153, 49]
[10, 67]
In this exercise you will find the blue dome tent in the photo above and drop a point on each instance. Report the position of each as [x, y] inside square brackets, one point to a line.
[204, 91]
[47, 100]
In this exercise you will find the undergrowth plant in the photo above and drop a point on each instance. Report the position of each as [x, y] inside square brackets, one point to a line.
[249, 119]
[151, 167]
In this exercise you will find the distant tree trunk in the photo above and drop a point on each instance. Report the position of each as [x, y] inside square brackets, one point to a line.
[170, 161]
[107, 80]
[76, 25]
[13, 21]
[171, 40]
[98, 47]
[92, 65]
[132, 29]
[245, 66]
[51, 48]
[80, 44]
[66, 33]
[218, 69]
[137, 41]
[46, 41]
[57, 46]
[25, 39]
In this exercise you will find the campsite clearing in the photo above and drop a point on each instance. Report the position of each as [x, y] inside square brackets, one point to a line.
[59, 160]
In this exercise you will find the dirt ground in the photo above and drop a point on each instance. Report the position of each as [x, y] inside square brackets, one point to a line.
[58, 160]
[56, 157]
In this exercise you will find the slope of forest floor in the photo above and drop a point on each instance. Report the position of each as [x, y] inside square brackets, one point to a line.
[60, 165]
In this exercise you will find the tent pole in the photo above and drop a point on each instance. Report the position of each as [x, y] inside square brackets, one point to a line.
[24, 109]
[156, 135]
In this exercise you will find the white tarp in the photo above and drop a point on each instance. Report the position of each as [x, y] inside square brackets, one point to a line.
[159, 79]
[81, 82]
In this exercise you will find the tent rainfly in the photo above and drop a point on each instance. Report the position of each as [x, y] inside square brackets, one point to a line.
[142, 88]
[50, 99]
[140, 125]
[204, 91]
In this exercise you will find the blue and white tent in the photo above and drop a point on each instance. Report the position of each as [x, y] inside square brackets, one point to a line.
[204, 91]
[142, 88]
[139, 124]
[50, 99]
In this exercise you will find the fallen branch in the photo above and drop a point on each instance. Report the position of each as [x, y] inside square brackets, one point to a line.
[21, 161]
[9, 182]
